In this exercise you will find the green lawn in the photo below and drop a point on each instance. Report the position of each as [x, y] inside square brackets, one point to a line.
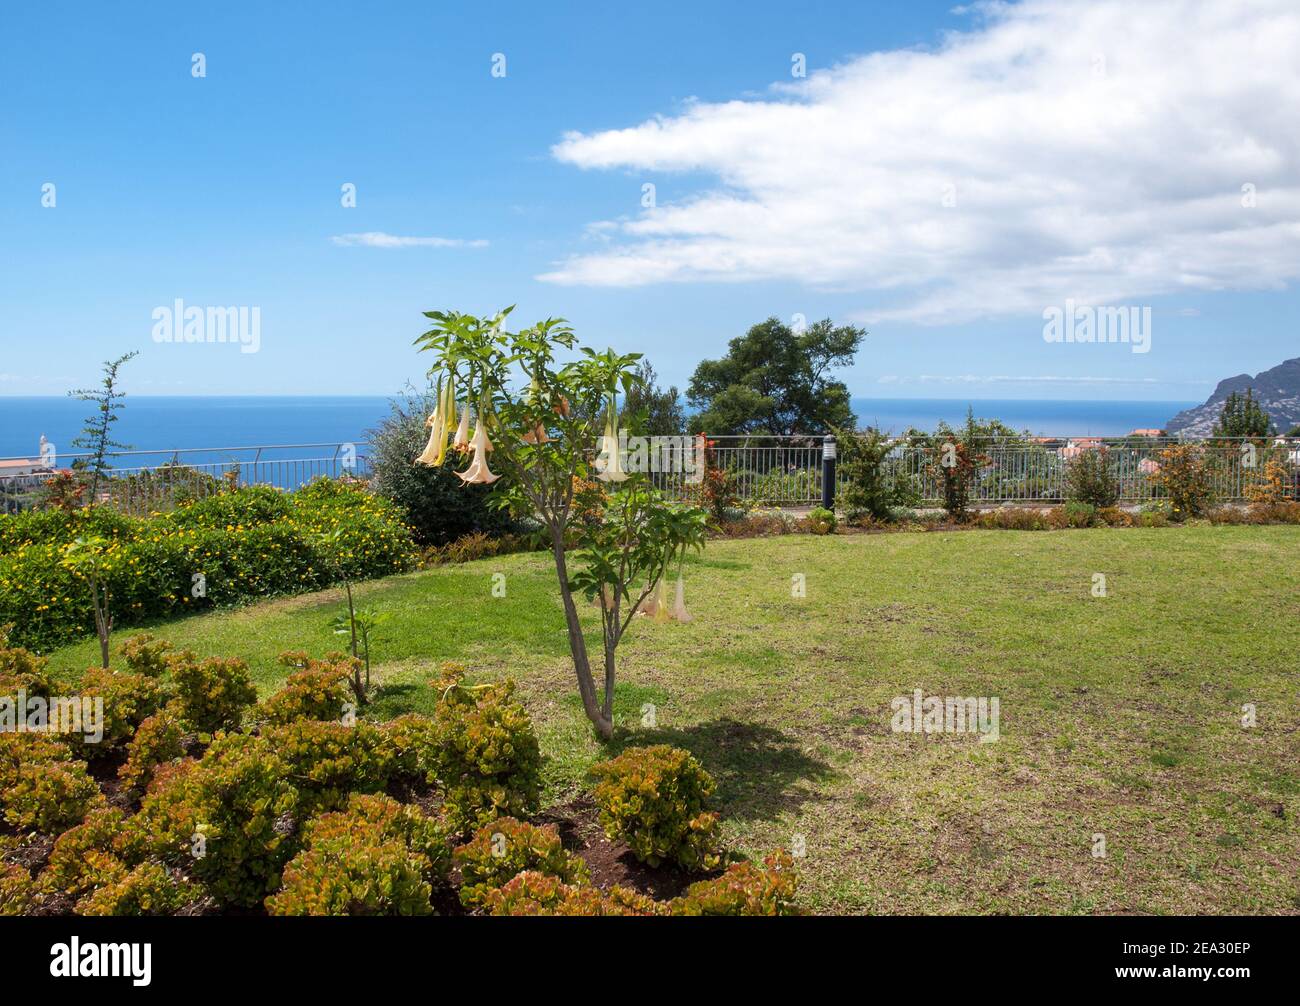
[1120, 716]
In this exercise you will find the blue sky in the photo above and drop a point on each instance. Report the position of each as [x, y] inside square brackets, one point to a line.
[775, 195]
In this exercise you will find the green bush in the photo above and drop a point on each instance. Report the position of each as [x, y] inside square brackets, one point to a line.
[42, 787]
[16, 890]
[147, 889]
[501, 850]
[374, 858]
[22, 670]
[821, 520]
[326, 762]
[412, 749]
[157, 740]
[745, 889]
[653, 799]
[89, 855]
[246, 544]
[319, 691]
[489, 762]
[227, 819]
[870, 487]
[533, 893]
[437, 505]
[129, 699]
[1090, 479]
[145, 655]
[213, 693]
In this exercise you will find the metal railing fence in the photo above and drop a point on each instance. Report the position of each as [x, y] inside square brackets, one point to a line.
[766, 470]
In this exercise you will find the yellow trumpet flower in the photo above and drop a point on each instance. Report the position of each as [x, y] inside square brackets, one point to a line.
[444, 416]
[609, 464]
[478, 472]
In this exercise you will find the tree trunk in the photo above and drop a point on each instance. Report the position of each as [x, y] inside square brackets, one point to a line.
[602, 721]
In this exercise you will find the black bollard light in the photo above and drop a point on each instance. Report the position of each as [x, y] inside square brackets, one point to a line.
[828, 472]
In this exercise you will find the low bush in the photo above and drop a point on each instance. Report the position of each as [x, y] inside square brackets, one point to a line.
[326, 762]
[90, 855]
[319, 691]
[375, 858]
[411, 748]
[42, 787]
[22, 671]
[147, 889]
[745, 889]
[821, 521]
[533, 893]
[228, 819]
[870, 487]
[158, 739]
[1186, 478]
[16, 890]
[129, 699]
[653, 798]
[505, 848]
[489, 761]
[213, 693]
[145, 655]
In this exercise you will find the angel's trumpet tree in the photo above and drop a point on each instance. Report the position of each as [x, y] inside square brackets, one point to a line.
[545, 441]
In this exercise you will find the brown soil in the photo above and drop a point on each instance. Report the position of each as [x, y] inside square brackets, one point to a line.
[613, 863]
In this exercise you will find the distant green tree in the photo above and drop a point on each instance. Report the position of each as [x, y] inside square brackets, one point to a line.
[96, 436]
[658, 410]
[1243, 416]
[775, 380]
[1294, 431]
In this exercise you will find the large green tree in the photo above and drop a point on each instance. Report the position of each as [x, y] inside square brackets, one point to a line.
[776, 380]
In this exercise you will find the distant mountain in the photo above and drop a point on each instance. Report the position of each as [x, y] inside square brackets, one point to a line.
[1277, 390]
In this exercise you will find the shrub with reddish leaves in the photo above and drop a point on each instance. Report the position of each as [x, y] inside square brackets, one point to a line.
[214, 693]
[745, 889]
[534, 893]
[506, 847]
[320, 691]
[653, 798]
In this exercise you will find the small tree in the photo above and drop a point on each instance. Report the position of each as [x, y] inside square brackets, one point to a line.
[1187, 478]
[331, 545]
[359, 624]
[89, 558]
[96, 434]
[1243, 417]
[549, 441]
[871, 488]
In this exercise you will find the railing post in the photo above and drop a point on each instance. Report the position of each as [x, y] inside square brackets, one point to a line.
[828, 472]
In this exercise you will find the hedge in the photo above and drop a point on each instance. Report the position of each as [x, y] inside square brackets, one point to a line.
[247, 544]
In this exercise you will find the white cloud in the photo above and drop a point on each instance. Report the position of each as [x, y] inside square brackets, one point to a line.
[378, 239]
[1097, 151]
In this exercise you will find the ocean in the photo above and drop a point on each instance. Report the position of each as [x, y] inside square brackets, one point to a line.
[150, 423]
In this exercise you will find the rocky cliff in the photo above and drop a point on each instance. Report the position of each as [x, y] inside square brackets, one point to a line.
[1278, 391]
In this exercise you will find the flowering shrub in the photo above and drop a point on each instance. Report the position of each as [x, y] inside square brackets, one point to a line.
[489, 762]
[327, 761]
[821, 520]
[1089, 478]
[214, 692]
[157, 740]
[147, 889]
[1185, 477]
[744, 889]
[501, 850]
[317, 692]
[653, 799]
[227, 818]
[42, 787]
[245, 544]
[375, 858]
